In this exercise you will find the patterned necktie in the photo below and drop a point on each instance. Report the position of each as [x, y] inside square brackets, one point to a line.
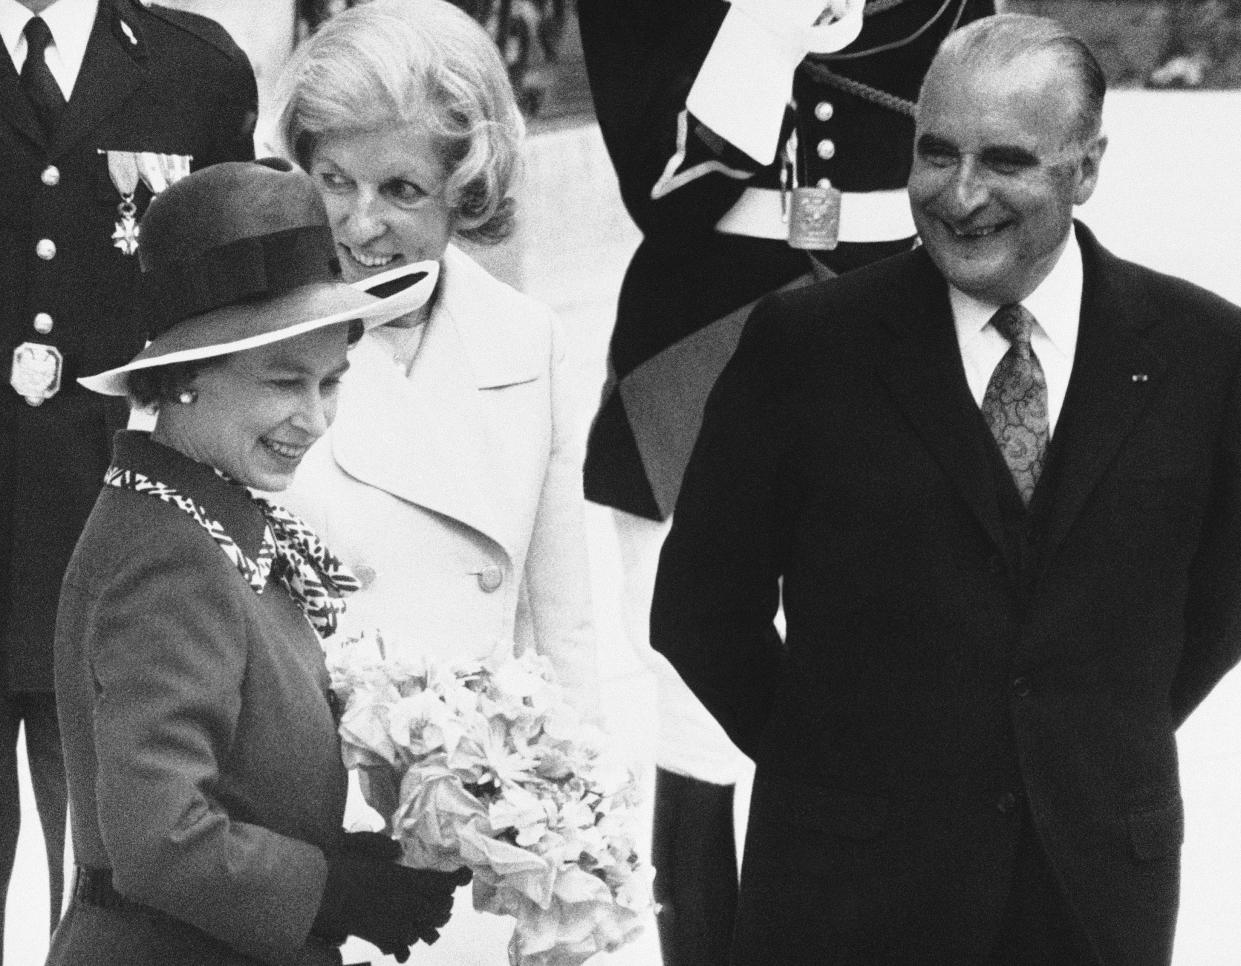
[1015, 404]
[37, 82]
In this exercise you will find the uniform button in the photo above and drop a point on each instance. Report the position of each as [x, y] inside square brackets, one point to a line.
[43, 323]
[366, 575]
[824, 182]
[1006, 803]
[490, 578]
[46, 249]
[824, 110]
[826, 149]
[1021, 687]
[50, 176]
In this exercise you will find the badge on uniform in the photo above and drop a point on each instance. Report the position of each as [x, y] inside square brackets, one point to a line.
[812, 212]
[127, 168]
[814, 218]
[36, 371]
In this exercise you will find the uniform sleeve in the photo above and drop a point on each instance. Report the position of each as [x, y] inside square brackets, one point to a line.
[676, 176]
[717, 590]
[691, 97]
[234, 138]
[167, 639]
[744, 83]
[557, 573]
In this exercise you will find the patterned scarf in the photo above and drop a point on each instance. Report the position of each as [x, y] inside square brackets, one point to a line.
[315, 578]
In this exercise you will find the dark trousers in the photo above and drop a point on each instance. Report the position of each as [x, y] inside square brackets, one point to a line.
[37, 712]
[694, 854]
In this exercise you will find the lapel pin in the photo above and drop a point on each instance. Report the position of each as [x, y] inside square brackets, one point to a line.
[1140, 377]
[129, 33]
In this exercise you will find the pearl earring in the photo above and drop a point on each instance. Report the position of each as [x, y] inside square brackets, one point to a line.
[187, 397]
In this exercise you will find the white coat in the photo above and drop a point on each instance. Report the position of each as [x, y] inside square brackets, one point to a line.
[455, 492]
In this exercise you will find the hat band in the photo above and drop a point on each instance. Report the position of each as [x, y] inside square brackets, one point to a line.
[262, 266]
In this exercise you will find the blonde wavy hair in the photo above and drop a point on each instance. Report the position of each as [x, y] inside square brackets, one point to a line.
[425, 63]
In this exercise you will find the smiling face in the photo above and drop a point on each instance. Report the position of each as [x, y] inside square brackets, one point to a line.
[998, 166]
[384, 192]
[257, 412]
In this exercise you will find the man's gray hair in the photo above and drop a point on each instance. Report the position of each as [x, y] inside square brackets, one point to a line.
[998, 41]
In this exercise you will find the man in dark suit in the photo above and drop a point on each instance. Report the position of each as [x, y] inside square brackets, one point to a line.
[997, 483]
[732, 127]
[102, 102]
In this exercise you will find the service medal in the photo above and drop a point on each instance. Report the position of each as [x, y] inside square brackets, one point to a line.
[127, 168]
[36, 371]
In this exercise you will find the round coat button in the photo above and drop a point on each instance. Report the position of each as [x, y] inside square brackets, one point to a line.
[1006, 802]
[43, 323]
[46, 249]
[1021, 687]
[826, 149]
[50, 176]
[490, 578]
[824, 110]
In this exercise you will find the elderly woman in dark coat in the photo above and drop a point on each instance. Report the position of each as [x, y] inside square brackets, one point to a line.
[206, 783]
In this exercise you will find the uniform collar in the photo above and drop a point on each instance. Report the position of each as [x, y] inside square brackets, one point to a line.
[70, 22]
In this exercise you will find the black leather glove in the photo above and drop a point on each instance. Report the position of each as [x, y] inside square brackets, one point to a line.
[368, 895]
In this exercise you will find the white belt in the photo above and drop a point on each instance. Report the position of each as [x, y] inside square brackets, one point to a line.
[865, 216]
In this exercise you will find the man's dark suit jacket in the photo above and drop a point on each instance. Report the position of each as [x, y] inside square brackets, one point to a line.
[152, 80]
[948, 655]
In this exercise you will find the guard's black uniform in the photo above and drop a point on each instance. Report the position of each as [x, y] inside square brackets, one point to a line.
[853, 114]
[153, 80]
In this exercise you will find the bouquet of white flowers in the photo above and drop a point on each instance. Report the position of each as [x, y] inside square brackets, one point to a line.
[485, 764]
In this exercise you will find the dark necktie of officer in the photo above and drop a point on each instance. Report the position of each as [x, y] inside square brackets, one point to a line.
[37, 82]
[1015, 403]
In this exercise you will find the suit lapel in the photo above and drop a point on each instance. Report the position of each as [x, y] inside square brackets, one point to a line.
[111, 71]
[1114, 376]
[924, 373]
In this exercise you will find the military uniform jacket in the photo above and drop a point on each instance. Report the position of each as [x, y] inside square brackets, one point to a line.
[689, 286]
[203, 761]
[152, 80]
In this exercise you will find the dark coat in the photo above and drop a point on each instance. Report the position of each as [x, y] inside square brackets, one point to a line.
[203, 760]
[179, 86]
[947, 653]
[688, 287]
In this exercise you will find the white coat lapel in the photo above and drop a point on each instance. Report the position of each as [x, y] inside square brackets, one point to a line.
[427, 438]
[421, 439]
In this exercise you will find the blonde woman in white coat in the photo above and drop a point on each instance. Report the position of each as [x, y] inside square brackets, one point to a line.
[451, 481]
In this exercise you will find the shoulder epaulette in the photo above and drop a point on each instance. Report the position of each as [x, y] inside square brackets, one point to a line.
[203, 28]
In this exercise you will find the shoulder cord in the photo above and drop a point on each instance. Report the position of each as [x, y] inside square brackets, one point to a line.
[866, 92]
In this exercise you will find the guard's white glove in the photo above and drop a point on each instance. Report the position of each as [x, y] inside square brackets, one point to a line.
[745, 82]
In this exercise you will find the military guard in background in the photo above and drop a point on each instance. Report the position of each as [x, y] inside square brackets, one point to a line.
[758, 145]
[102, 103]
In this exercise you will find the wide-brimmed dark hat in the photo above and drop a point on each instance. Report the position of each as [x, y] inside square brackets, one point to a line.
[240, 255]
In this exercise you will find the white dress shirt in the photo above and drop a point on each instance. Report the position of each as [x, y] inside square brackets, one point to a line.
[1056, 306]
[70, 23]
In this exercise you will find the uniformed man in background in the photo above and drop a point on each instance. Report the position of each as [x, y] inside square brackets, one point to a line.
[758, 145]
[102, 103]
